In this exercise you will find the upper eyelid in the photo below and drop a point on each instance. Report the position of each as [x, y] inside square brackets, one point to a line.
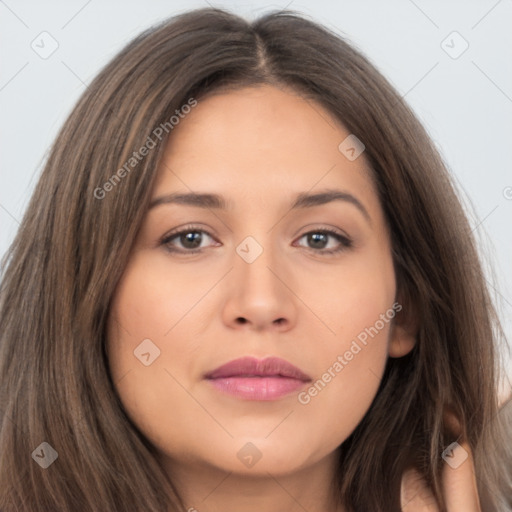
[174, 234]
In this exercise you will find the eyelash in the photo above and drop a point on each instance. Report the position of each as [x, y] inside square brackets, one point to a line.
[345, 242]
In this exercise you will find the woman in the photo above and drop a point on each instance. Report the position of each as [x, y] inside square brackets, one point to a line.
[245, 282]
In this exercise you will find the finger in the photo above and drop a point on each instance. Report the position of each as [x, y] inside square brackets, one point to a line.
[458, 479]
[415, 496]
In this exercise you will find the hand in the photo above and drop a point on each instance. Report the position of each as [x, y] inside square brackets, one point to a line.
[459, 484]
[459, 489]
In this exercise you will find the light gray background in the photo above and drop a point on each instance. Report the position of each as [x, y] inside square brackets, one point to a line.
[465, 102]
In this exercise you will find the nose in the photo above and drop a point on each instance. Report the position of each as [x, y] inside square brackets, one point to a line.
[260, 292]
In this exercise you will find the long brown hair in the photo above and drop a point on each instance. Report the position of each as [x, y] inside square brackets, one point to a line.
[73, 243]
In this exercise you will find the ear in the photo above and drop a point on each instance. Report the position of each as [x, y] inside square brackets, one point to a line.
[404, 330]
[401, 341]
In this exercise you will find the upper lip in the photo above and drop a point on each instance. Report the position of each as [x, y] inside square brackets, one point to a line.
[252, 367]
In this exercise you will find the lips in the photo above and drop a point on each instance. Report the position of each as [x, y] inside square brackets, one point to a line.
[252, 379]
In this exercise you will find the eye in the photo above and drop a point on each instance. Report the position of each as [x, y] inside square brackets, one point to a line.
[319, 241]
[189, 240]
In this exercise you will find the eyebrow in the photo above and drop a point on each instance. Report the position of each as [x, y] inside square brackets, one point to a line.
[301, 200]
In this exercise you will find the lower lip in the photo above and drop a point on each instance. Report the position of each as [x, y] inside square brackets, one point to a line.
[257, 388]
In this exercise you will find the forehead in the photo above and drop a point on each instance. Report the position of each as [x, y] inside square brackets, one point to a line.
[260, 143]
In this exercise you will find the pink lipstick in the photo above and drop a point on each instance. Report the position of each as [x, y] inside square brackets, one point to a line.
[251, 379]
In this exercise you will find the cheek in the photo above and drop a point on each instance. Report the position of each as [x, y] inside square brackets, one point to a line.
[148, 301]
[356, 304]
[350, 296]
[154, 332]
[145, 309]
[151, 302]
[349, 367]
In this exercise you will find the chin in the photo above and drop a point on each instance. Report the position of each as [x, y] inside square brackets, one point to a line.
[257, 456]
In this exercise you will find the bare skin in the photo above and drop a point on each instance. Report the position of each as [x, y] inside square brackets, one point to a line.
[258, 148]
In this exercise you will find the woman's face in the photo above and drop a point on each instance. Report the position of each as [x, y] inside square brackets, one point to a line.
[256, 277]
